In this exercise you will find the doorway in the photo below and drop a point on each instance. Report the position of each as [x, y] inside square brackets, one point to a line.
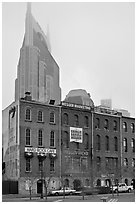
[77, 184]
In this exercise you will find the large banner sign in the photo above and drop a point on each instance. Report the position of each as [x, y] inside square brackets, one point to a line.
[40, 150]
[76, 134]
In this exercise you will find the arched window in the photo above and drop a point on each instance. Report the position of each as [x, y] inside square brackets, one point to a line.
[125, 145]
[106, 125]
[132, 127]
[40, 116]
[98, 163]
[86, 122]
[98, 142]
[133, 144]
[52, 139]
[125, 162]
[28, 114]
[52, 164]
[28, 136]
[66, 139]
[52, 117]
[98, 182]
[87, 182]
[65, 118]
[125, 126]
[76, 120]
[107, 143]
[86, 141]
[115, 143]
[40, 138]
[97, 123]
[66, 183]
[115, 125]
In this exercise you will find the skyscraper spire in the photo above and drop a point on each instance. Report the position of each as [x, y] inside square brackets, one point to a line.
[28, 26]
[29, 7]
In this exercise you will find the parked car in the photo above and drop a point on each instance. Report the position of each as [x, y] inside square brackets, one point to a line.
[87, 190]
[122, 187]
[66, 190]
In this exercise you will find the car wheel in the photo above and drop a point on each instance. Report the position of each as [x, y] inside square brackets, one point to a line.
[56, 194]
[129, 190]
[70, 193]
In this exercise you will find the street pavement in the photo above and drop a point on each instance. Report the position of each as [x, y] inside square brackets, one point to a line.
[122, 197]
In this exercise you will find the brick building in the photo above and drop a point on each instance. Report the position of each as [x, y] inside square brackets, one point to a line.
[128, 150]
[106, 147]
[72, 144]
[76, 155]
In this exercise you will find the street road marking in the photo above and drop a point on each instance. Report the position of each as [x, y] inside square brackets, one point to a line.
[113, 200]
[57, 201]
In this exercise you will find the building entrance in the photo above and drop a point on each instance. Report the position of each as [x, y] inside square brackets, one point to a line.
[77, 184]
[39, 186]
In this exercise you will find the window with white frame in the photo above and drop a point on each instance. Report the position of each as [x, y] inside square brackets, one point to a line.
[28, 165]
[40, 116]
[28, 114]
[52, 117]
[40, 137]
[52, 139]
[28, 136]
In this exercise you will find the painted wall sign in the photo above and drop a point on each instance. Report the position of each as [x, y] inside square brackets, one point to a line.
[76, 105]
[40, 150]
[76, 134]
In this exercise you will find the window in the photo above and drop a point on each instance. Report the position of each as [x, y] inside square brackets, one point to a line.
[52, 117]
[65, 118]
[116, 163]
[98, 182]
[133, 144]
[28, 114]
[28, 166]
[125, 126]
[76, 120]
[98, 163]
[115, 144]
[52, 139]
[86, 122]
[40, 116]
[98, 142]
[66, 183]
[40, 138]
[66, 139]
[126, 182]
[52, 164]
[106, 124]
[40, 165]
[87, 182]
[125, 145]
[125, 162]
[132, 127]
[27, 136]
[97, 123]
[77, 145]
[133, 162]
[107, 163]
[107, 143]
[86, 141]
[115, 126]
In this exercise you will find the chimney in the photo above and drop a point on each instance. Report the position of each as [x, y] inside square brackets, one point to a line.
[28, 96]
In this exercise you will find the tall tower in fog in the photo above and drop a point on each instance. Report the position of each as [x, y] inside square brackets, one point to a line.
[37, 71]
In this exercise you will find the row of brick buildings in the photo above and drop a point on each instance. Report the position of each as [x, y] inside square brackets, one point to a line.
[71, 143]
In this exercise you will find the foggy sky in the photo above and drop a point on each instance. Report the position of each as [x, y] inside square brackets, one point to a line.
[93, 44]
